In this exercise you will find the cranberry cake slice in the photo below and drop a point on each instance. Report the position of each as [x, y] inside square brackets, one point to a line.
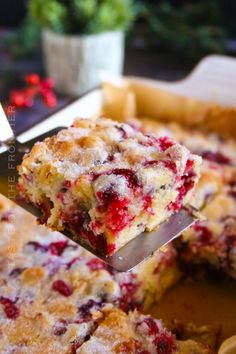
[107, 182]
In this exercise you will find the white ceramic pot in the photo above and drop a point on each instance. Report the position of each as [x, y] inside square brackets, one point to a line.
[75, 62]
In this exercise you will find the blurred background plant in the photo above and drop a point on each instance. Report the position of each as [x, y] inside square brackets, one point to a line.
[194, 28]
[25, 41]
[82, 16]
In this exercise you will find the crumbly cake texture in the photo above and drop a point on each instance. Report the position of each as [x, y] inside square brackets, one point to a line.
[137, 333]
[57, 298]
[107, 182]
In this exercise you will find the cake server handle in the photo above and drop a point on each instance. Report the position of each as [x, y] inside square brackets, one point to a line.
[6, 132]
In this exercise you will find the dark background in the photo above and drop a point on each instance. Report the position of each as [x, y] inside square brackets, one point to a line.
[148, 54]
[12, 12]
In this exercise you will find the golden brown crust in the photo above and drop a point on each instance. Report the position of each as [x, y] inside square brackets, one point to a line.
[151, 101]
[114, 334]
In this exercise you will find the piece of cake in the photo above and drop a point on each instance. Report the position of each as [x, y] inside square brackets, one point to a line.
[107, 182]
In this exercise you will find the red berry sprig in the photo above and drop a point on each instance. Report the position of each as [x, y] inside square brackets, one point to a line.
[36, 86]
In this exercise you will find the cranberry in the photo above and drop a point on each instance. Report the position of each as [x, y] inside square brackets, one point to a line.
[117, 216]
[61, 287]
[189, 166]
[164, 343]
[28, 102]
[17, 98]
[111, 248]
[80, 224]
[96, 264]
[152, 326]
[60, 328]
[30, 91]
[67, 184]
[98, 242]
[32, 79]
[6, 216]
[50, 99]
[128, 290]
[171, 165]
[110, 158]
[17, 271]
[147, 203]
[188, 184]
[165, 142]
[47, 84]
[203, 233]
[130, 175]
[75, 346]
[107, 195]
[74, 260]
[10, 309]
[57, 248]
[216, 157]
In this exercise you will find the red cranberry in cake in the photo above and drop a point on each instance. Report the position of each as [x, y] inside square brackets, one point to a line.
[216, 157]
[9, 307]
[62, 288]
[107, 201]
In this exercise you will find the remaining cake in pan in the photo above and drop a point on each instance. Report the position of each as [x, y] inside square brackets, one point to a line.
[135, 333]
[57, 298]
[107, 182]
[213, 241]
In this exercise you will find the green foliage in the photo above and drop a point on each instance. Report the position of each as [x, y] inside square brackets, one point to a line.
[49, 13]
[24, 42]
[82, 16]
[113, 14]
[194, 28]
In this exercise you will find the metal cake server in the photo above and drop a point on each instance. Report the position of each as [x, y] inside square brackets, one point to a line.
[134, 252]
